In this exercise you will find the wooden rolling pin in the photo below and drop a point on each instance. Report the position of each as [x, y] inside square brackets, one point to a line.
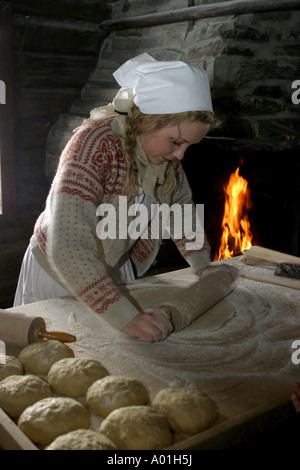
[20, 329]
[192, 302]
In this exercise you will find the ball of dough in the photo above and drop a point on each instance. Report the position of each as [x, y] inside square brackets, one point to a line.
[112, 392]
[187, 411]
[137, 428]
[82, 439]
[37, 358]
[52, 417]
[12, 366]
[17, 392]
[73, 376]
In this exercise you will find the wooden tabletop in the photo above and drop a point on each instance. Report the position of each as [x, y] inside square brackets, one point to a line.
[239, 352]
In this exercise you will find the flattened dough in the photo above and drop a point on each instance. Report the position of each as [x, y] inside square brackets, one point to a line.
[17, 392]
[52, 417]
[112, 392]
[187, 411]
[82, 439]
[37, 358]
[137, 428]
[73, 376]
[12, 366]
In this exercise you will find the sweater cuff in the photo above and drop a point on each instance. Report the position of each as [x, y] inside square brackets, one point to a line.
[120, 313]
[199, 260]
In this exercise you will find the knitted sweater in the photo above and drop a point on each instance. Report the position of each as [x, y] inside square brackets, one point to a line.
[92, 171]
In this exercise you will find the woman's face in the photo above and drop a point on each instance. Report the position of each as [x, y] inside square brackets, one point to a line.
[165, 144]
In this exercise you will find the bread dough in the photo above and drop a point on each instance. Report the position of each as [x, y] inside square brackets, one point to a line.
[112, 392]
[73, 376]
[137, 428]
[17, 392]
[82, 439]
[187, 411]
[12, 366]
[37, 358]
[52, 417]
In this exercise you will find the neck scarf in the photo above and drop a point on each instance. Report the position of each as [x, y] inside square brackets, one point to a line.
[151, 175]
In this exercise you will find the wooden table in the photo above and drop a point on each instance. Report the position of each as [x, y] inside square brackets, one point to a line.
[239, 352]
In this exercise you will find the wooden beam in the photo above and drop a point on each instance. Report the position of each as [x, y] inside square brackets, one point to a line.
[232, 7]
[91, 11]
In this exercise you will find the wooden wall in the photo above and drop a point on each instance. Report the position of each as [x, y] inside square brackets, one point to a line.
[55, 49]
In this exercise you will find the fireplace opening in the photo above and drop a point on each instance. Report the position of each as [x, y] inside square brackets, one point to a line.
[274, 184]
[236, 228]
[273, 181]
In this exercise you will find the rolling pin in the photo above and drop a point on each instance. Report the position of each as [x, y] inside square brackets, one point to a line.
[192, 302]
[20, 329]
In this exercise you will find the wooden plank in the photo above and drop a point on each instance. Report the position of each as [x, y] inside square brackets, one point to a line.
[270, 278]
[50, 35]
[32, 133]
[50, 70]
[234, 7]
[40, 103]
[261, 255]
[11, 437]
[10, 260]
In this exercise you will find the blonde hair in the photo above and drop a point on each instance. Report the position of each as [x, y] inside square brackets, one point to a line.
[138, 123]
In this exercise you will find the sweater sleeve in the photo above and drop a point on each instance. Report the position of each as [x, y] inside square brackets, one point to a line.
[196, 250]
[87, 164]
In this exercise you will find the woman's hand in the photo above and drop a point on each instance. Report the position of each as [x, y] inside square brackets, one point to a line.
[152, 326]
[232, 270]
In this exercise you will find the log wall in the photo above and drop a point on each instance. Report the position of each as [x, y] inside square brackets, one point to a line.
[55, 48]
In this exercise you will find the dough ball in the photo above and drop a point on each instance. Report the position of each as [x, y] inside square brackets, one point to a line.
[137, 428]
[112, 392]
[12, 366]
[73, 376]
[37, 358]
[17, 392]
[82, 439]
[187, 411]
[51, 417]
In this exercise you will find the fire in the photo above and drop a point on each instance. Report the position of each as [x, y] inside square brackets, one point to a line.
[236, 235]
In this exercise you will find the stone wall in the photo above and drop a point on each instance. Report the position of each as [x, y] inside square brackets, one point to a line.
[252, 61]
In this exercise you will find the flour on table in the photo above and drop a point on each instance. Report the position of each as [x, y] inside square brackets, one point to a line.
[239, 348]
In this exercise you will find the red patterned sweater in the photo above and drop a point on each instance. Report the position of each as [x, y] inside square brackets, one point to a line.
[92, 171]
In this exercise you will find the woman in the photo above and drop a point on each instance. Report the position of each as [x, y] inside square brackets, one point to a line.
[131, 148]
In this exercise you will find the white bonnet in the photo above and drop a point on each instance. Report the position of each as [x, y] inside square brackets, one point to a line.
[163, 87]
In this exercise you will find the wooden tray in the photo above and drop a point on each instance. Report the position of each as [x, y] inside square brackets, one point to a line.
[223, 435]
[252, 388]
[11, 437]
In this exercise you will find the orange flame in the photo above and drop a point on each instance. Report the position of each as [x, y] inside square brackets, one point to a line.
[236, 235]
